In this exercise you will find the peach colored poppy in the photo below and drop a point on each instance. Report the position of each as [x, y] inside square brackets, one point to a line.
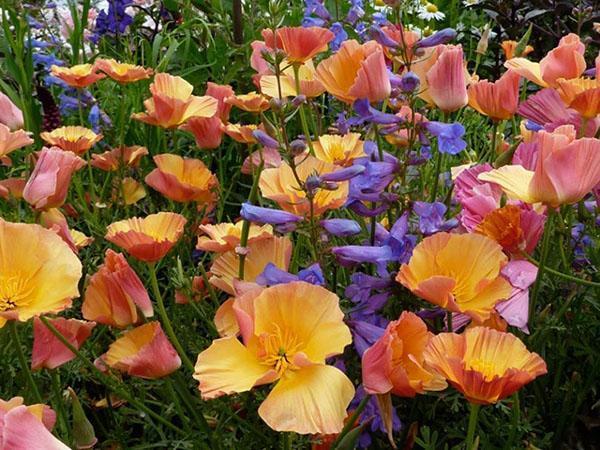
[55, 220]
[406, 40]
[78, 76]
[509, 47]
[132, 191]
[251, 102]
[459, 272]
[111, 160]
[310, 86]
[48, 352]
[498, 100]
[339, 150]
[394, 364]
[72, 138]
[12, 188]
[287, 333]
[150, 238]
[446, 79]
[48, 184]
[39, 273]
[11, 141]
[123, 72]
[302, 43]
[227, 236]
[183, 179]
[172, 103]
[115, 295]
[486, 365]
[10, 114]
[240, 133]
[356, 71]
[143, 352]
[581, 94]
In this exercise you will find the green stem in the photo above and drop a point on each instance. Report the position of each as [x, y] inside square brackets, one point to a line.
[351, 421]
[565, 276]
[107, 381]
[514, 423]
[246, 225]
[59, 406]
[164, 317]
[494, 137]
[286, 440]
[23, 361]
[469, 441]
[436, 176]
[303, 121]
[542, 264]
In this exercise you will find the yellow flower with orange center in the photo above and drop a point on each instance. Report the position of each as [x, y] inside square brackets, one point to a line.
[504, 226]
[287, 333]
[38, 272]
[486, 365]
[172, 103]
[459, 272]
[72, 138]
[339, 150]
[227, 236]
[123, 72]
[78, 76]
[280, 185]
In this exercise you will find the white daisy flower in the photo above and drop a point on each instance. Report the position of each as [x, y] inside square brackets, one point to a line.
[430, 12]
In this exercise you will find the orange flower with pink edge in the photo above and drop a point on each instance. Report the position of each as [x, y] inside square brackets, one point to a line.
[303, 43]
[356, 71]
[27, 427]
[447, 79]
[11, 141]
[143, 352]
[150, 238]
[39, 273]
[240, 133]
[48, 184]
[115, 295]
[509, 47]
[565, 61]
[72, 138]
[566, 170]
[123, 72]
[172, 103]
[395, 364]
[10, 114]
[269, 157]
[48, 352]
[280, 185]
[12, 188]
[183, 179]
[486, 365]
[288, 331]
[339, 150]
[251, 102]
[497, 100]
[459, 272]
[227, 236]
[220, 92]
[78, 76]
[54, 220]
[111, 160]
[132, 191]
[310, 86]
[259, 253]
[581, 94]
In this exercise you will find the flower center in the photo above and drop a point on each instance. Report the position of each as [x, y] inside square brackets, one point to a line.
[13, 292]
[431, 8]
[486, 368]
[278, 350]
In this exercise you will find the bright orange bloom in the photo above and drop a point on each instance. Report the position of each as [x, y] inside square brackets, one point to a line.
[73, 139]
[339, 150]
[48, 351]
[280, 185]
[499, 100]
[123, 72]
[459, 272]
[566, 170]
[227, 236]
[484, 364]
[251, 102]
[395, 362]
[147, 239]
[287, 332]
[276, 250]
[446, 79]
[310, 86]
[172, 103]
[302, 43]
[115, 294]
[12, 188]
[504, 226]
[78, 76]
[183, 179]
[11, 141]
[240, 133]
[355, 72]
[132, 191]
[111, 160]
[54, 220]
[565, 61]
[143, 352]
[38, 272]
[581, 94]
[509, 47]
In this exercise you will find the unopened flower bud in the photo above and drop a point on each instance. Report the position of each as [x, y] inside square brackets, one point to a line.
[409, 82]
[312, 183]
[298, 100]
[297, 146]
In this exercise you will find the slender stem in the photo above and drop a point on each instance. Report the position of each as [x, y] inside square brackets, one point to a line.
[246, 225]
[542, 264]
[473, 416]
[122, 115]
[436, 175]
[514, 423]
[494, 137]
[164, 317]
[286, 440]
[565, 276]
[58, 404]
[23, 361]
[449, 321]
[351, 421]
[303, 121]
[107, 381]
[176, 403]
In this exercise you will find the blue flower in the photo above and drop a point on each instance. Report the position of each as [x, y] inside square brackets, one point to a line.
[431, 217]
[341, 227]
[441, 37]
[273, 275]
[340, 36]
[369, 114]
[115, 20]
[449, 136]
[275, 217]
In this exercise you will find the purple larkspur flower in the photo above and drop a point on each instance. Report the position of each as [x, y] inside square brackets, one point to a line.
[449, 136]
[431, 217]
[273, 275]
[441, 37]
[340, 36]
[341, 227]
[258, 214]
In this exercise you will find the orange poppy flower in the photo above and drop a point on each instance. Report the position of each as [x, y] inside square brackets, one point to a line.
[498, 100]
[11, 141]
[504, 226]
[486, 365]
[78, 76]
[302, 43]
[310, 86]
[339, 150]
[240, 133]
[150, 238]
[183, 179]
[581, 94]
[251, 102]
[72, 138]
[111, 160]
[132, 191]
[227, 236]
[123, 72]
[172, 103]
[509, 47]
[459, 272]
